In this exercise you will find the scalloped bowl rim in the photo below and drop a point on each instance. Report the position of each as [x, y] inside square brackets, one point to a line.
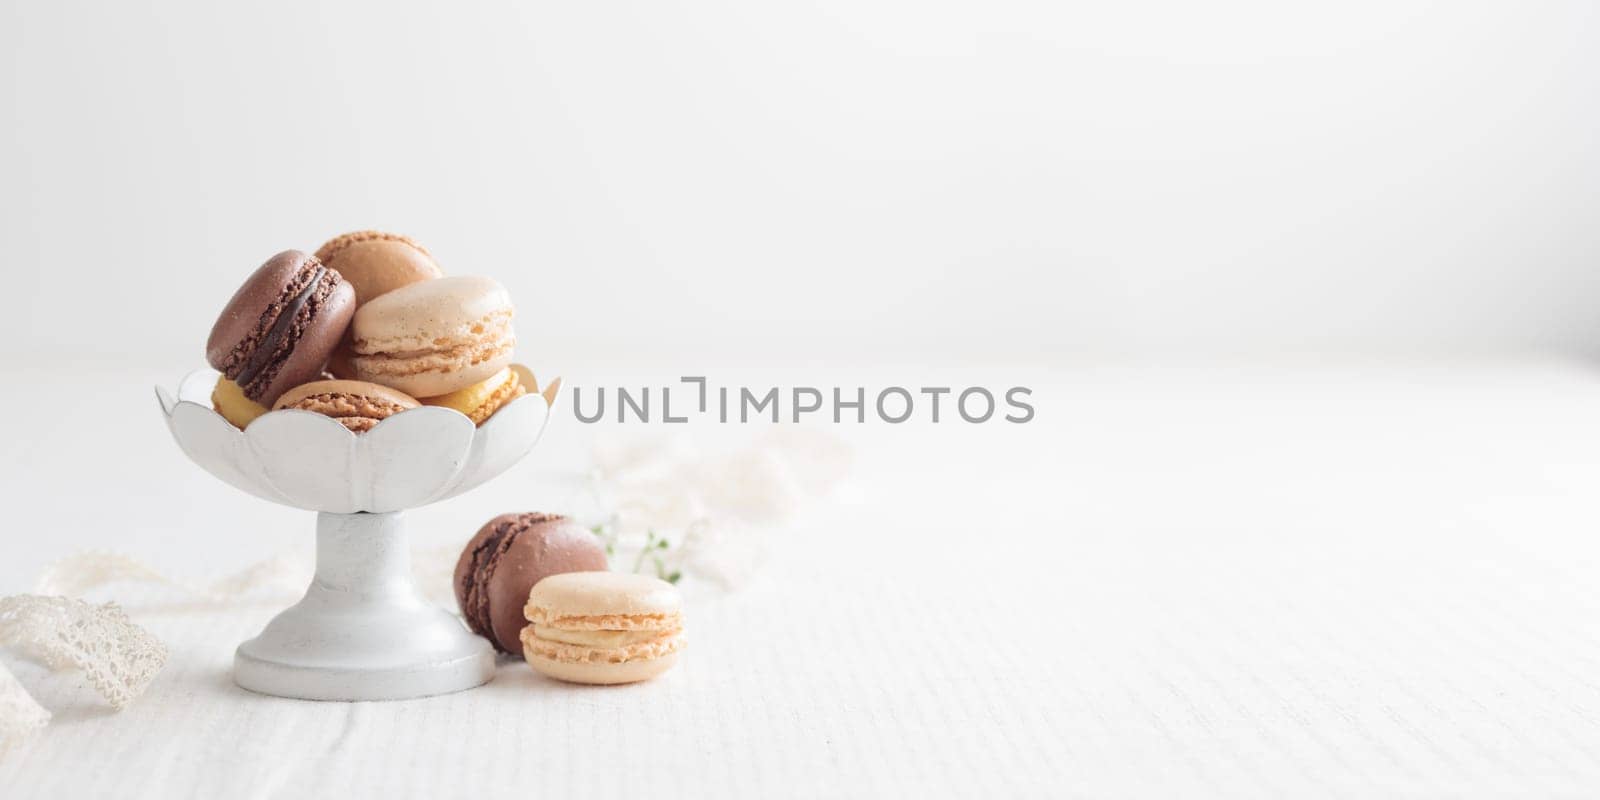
[548, 394]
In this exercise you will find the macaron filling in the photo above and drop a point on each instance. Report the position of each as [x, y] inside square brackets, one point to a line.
[600, 638]
[596, 639]
[600, 647]
[488, 339]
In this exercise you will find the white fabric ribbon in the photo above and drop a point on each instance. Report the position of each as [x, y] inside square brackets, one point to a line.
[118, 657]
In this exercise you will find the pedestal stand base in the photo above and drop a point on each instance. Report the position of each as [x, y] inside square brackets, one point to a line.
[282, 679]
[362, 632]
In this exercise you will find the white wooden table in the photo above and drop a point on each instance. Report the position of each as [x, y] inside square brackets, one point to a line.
[1309, 581]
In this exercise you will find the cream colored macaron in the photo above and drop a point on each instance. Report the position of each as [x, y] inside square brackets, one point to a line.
[434, 337]
[603, 627]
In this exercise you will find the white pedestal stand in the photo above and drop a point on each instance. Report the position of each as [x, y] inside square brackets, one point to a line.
[362, 632]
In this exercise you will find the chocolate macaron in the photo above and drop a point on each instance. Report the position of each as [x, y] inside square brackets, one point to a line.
[281, 326]
[510, 554]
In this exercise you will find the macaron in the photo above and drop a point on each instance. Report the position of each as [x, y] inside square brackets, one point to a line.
[375, 262]
[510, 554]
[603, 627]
[434, 337]
[229, 401]
[480, 400]
[357, 405]
[281, 325]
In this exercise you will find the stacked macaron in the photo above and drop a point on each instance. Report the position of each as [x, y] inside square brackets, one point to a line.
[366, 328]
[536, 584]
[602, 627]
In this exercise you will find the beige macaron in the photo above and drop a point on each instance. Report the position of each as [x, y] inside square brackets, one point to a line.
[434, 337]
[375, 263]
[603, 627]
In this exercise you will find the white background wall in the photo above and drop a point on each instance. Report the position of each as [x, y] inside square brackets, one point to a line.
[871, 180]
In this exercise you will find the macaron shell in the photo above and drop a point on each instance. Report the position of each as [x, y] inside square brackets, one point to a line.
[633, 601]
[600, 673]
[434, 315]
[376, 263]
